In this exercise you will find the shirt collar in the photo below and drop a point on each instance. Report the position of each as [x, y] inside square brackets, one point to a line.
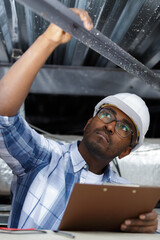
[107, 174]
[77, 160]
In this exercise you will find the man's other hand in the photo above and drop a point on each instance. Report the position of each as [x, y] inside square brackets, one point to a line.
[146, 223]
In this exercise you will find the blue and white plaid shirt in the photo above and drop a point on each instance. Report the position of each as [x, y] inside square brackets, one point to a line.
[45, 172]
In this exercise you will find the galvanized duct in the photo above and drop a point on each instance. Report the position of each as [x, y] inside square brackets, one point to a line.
[63, 17]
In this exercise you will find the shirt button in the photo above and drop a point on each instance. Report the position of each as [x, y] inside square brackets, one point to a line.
[85, 166]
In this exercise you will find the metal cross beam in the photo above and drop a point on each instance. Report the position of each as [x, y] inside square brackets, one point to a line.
[56, 12]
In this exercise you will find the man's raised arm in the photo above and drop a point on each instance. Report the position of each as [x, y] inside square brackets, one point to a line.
[16, 83]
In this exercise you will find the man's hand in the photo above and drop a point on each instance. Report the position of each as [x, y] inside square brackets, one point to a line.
[58, 36]
[146, 223]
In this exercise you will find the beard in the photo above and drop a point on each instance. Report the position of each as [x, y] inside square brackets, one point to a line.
[94, 148]
[96, 144]
[99, 143]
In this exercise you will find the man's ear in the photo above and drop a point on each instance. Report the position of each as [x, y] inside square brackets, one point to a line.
[88, 122]
[125, 152]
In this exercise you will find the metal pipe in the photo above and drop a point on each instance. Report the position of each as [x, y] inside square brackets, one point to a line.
[56, 12]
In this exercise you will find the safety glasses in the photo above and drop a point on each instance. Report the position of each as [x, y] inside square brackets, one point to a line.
[123, 129]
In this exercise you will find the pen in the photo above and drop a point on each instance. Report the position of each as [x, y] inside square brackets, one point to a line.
[65, 234]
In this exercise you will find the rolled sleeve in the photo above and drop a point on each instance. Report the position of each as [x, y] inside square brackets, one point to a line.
[6, 121]
[21, 147]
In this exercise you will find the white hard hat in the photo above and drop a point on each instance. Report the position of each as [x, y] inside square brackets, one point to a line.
[134, 107]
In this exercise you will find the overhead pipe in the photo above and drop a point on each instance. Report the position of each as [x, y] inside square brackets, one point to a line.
[56, 12]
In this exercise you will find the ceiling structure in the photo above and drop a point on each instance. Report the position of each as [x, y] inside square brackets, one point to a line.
[132, 25]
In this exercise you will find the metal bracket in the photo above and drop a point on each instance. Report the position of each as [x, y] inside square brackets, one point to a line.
[56, 12]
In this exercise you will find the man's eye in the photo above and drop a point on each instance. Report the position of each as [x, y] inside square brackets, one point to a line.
[106, 115]
[123, 127]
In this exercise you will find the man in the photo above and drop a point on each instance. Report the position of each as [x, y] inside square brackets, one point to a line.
[45, 171]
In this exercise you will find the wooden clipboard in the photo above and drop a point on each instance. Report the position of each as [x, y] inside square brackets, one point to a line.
[105, 207]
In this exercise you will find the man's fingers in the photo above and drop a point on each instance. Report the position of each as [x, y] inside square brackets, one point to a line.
[138, 229]
[58, 36]
[148, 216]
[138, 222]
[146, 223]
[84, 16]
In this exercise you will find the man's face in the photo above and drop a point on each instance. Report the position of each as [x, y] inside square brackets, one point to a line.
[103, 141]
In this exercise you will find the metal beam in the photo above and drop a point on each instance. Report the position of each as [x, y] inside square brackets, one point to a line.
[83, 81]
[87, 81]
[56, 12]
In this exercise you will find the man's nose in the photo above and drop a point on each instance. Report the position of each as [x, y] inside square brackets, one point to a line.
[110, 127]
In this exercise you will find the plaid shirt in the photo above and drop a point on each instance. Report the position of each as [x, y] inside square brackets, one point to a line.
[45, 172]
